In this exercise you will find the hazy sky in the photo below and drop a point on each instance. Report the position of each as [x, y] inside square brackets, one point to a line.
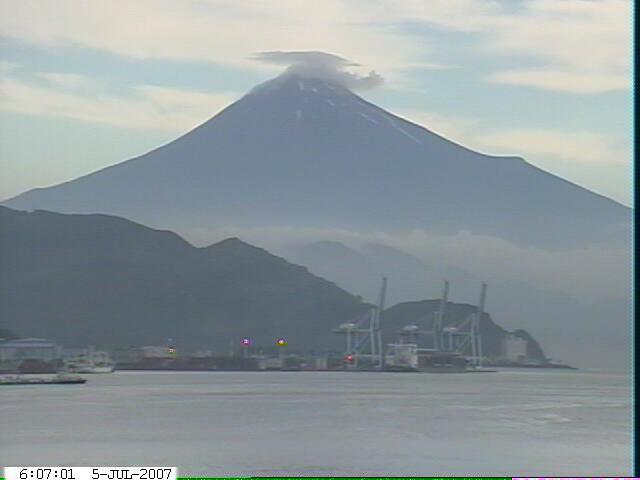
[88, 84]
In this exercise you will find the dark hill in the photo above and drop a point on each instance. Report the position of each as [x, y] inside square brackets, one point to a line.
[96, 279]
[105, 281]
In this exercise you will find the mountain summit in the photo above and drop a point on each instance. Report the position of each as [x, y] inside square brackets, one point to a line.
[301, 151]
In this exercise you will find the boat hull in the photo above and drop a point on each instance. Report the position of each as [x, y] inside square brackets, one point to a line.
[91, 369]
[454, 369]
[47, 382]
[58, 380]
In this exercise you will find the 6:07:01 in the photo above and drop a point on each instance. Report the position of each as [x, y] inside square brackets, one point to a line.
[46, 474]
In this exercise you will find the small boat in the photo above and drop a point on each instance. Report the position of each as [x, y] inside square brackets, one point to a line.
[59, 379]
[90, 362]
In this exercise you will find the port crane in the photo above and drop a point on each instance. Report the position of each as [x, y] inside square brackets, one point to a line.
[463, 337]
[364, 336]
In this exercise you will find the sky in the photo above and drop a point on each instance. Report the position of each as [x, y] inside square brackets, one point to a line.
[84, 85]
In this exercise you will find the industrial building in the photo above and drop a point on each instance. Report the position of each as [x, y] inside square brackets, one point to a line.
[26, 354]
[514, 348]
[29, 348]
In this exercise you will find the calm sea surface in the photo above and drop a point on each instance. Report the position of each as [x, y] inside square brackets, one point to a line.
[514, 422]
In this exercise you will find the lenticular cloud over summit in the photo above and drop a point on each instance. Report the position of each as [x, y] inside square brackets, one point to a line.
[322, 66]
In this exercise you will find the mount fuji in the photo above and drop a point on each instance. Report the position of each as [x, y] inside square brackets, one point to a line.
[305, 152]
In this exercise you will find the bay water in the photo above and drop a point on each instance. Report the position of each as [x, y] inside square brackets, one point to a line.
[513, 422]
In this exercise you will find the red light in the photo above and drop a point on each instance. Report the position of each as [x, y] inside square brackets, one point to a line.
[349, 358]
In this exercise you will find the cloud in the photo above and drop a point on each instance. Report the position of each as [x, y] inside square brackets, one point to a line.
[570, 82]
[7, 67]
[588, 41]
[589, 273]
[321, 65]
[575, 147]
[578, 46]
[70, 81]
[584, 46]
[147, 106]
[224, 32]
[432, 66]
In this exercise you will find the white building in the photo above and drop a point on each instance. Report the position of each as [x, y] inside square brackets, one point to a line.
[270, 363]
[514, 348]
[29, 349]
[154, 351]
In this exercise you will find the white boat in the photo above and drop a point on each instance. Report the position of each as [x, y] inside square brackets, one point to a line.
[90, 362]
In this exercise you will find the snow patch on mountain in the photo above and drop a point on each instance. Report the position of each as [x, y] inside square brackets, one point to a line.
[367, 117]
[401, 130]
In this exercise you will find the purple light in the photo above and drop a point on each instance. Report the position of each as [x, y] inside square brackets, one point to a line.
[246, 341]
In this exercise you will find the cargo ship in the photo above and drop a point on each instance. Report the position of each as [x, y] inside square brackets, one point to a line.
[407, 357]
